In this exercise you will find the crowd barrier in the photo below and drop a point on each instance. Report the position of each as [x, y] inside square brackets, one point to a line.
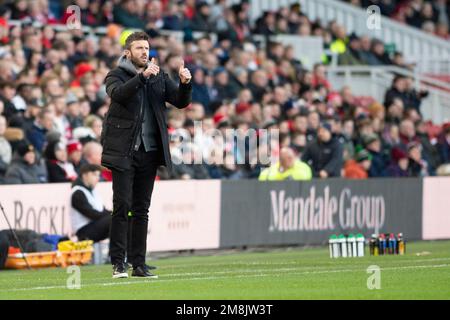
[211, 214]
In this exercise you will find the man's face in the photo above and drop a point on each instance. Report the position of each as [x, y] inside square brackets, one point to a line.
[324, 135]
[47, 121]
[375, 146]
[313, 120]
[415, 154]
[287, 159]
[403, 163]
[138, 53]
[9, 92]
[30, 157]
[301, 124]
[75, 156]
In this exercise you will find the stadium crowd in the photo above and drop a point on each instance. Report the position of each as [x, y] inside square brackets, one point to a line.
[431, 16]
[53, 101]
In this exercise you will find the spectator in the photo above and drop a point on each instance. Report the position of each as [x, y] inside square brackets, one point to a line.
[7, 93]
[94, 123]
[43, 124]
[319, 77]
[443, 144]
[380, 53]
[126, 14]
[289, 167]
[5, 149]
[417, 167]
[73, 112]
[222, 85]
[358, 168]
[399, 165]
[379, 162]
[92, 154]
[351, 56]
[58, 168]
[90, 219]
[75, 153]
[365, 53]
[398, 90]
[25, 168]
[188, 169]
[394, 111]
[324, 155]
[201, 21]
[271, 87]
[430, 152]
[412, 98]
[407, 133]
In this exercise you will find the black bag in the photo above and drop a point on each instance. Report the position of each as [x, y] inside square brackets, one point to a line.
[4, 245]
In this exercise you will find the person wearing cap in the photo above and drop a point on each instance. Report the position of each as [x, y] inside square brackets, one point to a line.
[73, 114]
[135, 143]
[244, 112]
[289, 167]
[358, 168]
[399, 164]
[325, 154]
[75, 154]
[372, 143]
[90, 219]
[24, 168]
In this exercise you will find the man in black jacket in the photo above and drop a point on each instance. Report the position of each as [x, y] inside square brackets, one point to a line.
[324, 155]
[135, 142]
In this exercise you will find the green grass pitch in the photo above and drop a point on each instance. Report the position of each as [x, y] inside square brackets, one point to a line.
[294, 273]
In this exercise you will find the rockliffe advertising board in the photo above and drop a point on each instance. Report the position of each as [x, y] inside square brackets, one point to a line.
[292, 212]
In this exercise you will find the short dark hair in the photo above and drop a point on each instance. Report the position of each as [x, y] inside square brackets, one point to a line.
[89, 168]
[135, 36]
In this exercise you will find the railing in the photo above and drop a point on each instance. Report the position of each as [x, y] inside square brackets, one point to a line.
[374, 81]
[414, 43]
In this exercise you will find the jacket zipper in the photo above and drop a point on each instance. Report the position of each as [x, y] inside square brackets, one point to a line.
[136, 131]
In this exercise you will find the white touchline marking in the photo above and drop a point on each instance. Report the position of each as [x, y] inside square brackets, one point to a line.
[161, 279]
[283, 263]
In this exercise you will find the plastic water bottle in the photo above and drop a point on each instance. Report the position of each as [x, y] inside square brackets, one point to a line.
[335, 246]
[360, 240]
[382, 244]
[372, 244]
[392, 244]
[351, 245]
[343, 245]
[401, 244]
[331, 242]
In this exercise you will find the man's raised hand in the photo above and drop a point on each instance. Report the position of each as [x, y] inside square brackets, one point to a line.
[184, 74]
[152, 69]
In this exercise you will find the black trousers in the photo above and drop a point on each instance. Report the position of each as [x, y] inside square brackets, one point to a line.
[132, 191]
[96, 230]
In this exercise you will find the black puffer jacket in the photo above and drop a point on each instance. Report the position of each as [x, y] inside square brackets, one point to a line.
[127, 90]
[324, 156]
